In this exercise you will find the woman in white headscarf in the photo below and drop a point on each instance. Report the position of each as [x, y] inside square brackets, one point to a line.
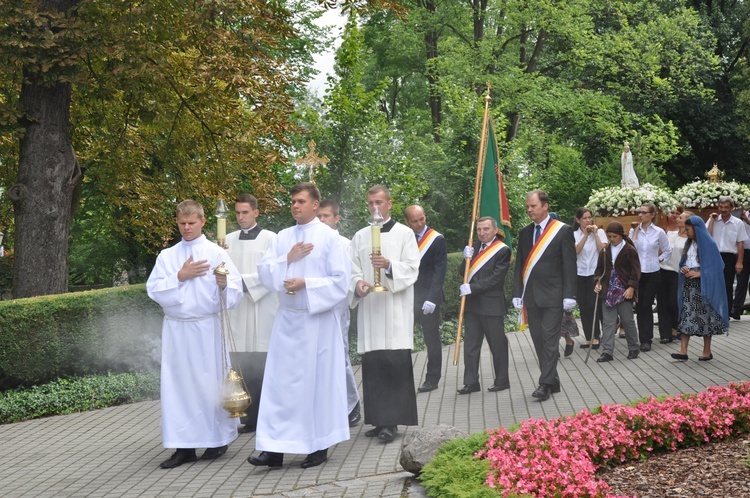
[628, 173]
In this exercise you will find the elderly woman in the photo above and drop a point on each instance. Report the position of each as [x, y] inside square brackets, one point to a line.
[653, 247]
[666, 294]
[619, 271]
[704, 310]
[590, 240]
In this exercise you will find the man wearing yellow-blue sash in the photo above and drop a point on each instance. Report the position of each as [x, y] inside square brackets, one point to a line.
[545, 284]
[485, 306]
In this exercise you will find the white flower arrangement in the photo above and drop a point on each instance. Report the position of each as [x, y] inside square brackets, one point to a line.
[703, 194]
[621, 201]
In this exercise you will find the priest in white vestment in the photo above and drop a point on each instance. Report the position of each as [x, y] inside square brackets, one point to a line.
[303, 405]
[252, 319]
[385, 322]
[192, 356]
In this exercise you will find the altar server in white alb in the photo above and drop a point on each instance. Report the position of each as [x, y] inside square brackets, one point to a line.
[303, 405]
[192, 357]
[252, 320]
[385, 322]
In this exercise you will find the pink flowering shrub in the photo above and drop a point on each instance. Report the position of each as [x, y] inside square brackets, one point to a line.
[559, 458]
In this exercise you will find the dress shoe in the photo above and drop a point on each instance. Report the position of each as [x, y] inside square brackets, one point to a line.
[427, 387]
[182, 455]
[605, 357]
[595, 345]
[495, 388]
[646, 346]
[388, 433]
[267, 458]
[246, 429]
[736, 316]
[355, 416]
[678, 356]
[214, 453]
[706, 358]
[632, 355]
[568, 349]
[542, 393]
[665, 340]
[374, 432]
[470, 388]
[314, 459]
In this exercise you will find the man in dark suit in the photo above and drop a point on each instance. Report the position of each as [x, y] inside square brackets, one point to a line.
[485, 306]
[545, 284]
[428, 291]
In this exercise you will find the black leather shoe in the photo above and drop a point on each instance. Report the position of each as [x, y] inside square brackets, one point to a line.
[267, 458]
[568, 349]
[314, 459]
[706, 358]
[374, 432]
[585, 345]
[632, 355]
[542, 393]
[246, 429]
[355, 416]
[604, 358]
[427, 387]
[665, 340]
[595, 345]
[678, 356]
[470, 388]
[736, 316]
[388, 433]
[646, 346]
[214, 453]
[182, 455]
[495, 388]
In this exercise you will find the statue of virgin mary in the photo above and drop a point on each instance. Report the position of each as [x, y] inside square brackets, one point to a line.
[628, 173]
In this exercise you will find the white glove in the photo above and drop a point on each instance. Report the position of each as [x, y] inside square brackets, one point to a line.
[465, 289]
[428, 308]
[517, 303]
[468, 252]
[568, 304]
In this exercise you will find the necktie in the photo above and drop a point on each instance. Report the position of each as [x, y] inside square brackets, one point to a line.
[537, 232]
[484, 246]
[416, 235]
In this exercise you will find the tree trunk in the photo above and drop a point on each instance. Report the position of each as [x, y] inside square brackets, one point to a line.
[42, 199]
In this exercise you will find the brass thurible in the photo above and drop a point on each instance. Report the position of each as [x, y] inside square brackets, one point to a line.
[235, 396]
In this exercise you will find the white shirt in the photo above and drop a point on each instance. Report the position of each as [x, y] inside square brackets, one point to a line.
[677, 244]
[691, 258]
[728, 234]
[586, 259]
[649, 242]
[615, 250]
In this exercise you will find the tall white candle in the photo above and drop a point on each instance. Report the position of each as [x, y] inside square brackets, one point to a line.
[375, 238]
[221, 229]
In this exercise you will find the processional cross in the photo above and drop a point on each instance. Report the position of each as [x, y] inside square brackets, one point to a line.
[312, 160]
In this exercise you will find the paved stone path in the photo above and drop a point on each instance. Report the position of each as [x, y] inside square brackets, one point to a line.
[116, 452]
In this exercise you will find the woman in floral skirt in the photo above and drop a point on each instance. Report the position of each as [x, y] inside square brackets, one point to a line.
[702, 297]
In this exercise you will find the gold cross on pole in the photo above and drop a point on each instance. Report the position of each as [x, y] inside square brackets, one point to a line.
[312, 160]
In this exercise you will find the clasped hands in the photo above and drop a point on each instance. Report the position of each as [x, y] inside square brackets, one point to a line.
[687, 272]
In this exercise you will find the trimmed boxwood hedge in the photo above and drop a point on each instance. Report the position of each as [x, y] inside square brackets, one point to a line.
[48, 337]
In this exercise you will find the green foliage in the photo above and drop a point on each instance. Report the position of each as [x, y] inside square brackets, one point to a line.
[43, 338]
[455, 473]
[76, 395]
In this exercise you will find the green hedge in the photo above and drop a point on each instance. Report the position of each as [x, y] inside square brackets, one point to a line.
[43, 338]
[77, 395]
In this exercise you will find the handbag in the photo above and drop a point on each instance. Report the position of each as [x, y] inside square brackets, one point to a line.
[569, 326]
